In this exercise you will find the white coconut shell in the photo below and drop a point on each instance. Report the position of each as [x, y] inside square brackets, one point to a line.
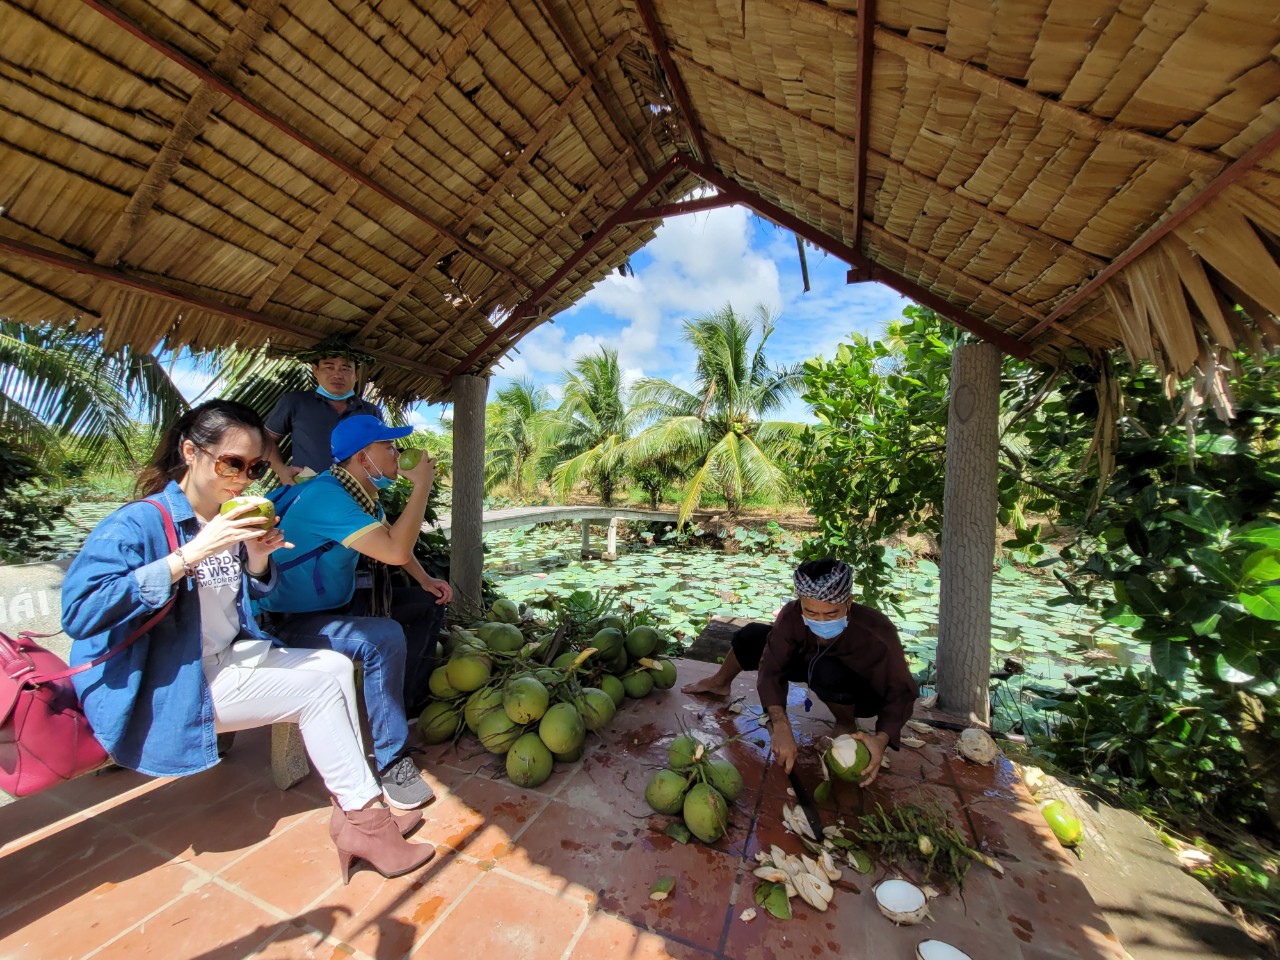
[902, 902]
[977, 745]
[937, 950]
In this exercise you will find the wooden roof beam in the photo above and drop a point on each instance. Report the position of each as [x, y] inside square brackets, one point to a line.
[248, 30]
[25, 251]
[837, 141]
[213, 80]
[1235, 172]
[861, 267]
[1013, 94]
[517, 319]
[862, 99]
[677, 209]
[650, 19]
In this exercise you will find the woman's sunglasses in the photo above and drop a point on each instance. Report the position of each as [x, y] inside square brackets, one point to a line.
[229, 465]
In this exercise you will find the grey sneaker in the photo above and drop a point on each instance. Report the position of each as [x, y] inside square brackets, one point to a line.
[403, 785]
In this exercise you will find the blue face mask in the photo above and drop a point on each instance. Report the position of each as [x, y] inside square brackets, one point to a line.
[334, 396]
[827, 629]
[381, 481]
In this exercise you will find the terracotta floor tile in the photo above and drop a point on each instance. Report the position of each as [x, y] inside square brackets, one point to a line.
[88, 791]
[294, 942]
[216, 832]
[210, 923]
[608, 936]
[384, 918]
[695, 911]
[58, 857]
[573, 851]
[148, 811]
[94, 906]
[293, 867]
[502, 917]
[480, 817]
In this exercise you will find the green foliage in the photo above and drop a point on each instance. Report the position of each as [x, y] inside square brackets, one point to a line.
[28, 508]
[718, 435]
[515, 437]
[874, 467]
[584, 436]
[1184, 549]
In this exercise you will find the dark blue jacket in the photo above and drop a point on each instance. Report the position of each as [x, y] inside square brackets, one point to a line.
[150, 705]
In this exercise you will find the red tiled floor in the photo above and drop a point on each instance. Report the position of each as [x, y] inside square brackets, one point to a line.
[564, 869]
[504, 917]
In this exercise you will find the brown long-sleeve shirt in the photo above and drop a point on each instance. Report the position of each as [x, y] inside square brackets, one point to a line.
[868, 646]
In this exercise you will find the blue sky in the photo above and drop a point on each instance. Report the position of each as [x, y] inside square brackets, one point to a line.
[694, 265]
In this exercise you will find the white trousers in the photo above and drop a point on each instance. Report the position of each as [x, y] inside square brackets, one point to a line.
[314, 689]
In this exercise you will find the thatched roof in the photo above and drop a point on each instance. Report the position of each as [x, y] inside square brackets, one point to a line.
[1047, 174]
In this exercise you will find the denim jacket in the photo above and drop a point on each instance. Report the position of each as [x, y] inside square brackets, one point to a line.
[149, 706]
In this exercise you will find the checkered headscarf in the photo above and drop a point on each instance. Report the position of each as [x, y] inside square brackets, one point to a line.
[836, 586]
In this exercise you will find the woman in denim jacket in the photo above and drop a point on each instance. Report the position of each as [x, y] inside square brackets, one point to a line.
[206, 668]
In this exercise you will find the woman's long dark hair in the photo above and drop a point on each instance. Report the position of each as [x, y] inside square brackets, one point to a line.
[205, 426]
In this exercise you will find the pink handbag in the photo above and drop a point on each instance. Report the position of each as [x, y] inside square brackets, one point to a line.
[45, 737]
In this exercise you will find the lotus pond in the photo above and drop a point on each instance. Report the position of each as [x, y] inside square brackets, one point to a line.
[686, 587]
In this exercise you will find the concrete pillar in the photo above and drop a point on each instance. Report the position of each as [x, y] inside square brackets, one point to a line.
[466, 538]
[969, 532]
[586, 539]
[611, 548]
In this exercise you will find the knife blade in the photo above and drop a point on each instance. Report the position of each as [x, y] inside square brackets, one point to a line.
[806, 804]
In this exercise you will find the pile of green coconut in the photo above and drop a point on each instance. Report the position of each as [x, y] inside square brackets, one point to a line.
[697, 785]
[530, 685]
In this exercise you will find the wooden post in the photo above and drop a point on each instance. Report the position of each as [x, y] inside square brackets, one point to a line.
[969, 533]
[586, 539]
[466, 536]
[611, 548]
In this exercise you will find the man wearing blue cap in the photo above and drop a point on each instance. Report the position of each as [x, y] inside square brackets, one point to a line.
[333, 520]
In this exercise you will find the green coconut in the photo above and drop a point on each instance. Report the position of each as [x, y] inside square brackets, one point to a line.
[467, 672]
[614, 688]
[596, 706]
[458, 636]
[497, 731]
[1066, 826]
[642, 641]
[529, 761]
[504, 611]
[439, 722]
[724, 776]
[440, 686]
[525, 699]
[638, 683]
[618, 663]
[664, 678]
[706, 813]
[472, 648]
[665, 791]
[502, 637]
[549, 676]
[573, 756]
[847, 758]
[482, 702]
[263, 508]
[565, 660]
[680, 753]
[611, 621]
[562, 729]
[607, 642]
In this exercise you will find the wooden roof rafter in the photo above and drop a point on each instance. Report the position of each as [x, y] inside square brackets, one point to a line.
[862, 101]
[653, 28]
[697, 205]
[226, 89]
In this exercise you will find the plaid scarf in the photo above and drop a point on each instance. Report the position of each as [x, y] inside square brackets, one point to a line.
[835, 587]
[380, 600]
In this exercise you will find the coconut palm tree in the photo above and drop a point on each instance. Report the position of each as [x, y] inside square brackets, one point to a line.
[719, 428]
[515, 423]
[587, 431]
[62, 390]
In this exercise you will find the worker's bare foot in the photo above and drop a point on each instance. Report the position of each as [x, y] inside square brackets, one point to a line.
[709, 687]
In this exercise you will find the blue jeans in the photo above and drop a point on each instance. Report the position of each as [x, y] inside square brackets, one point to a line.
[398, 654]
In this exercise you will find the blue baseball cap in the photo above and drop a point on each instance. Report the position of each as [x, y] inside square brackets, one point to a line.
[353, 434]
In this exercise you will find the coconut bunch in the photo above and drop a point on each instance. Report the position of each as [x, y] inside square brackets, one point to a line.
[494, 687]
[697, 786]
[630, 656]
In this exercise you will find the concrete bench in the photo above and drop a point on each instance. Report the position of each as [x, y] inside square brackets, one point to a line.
[31, 599]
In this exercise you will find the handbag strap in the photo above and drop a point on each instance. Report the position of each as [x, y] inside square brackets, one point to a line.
[171, 535]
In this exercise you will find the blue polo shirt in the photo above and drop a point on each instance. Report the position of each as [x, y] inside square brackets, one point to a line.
[308, 419]
[322, 522]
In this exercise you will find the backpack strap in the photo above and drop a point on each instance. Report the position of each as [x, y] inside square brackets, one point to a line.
[171, 536]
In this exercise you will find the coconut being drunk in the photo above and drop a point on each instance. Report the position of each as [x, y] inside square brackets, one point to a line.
[847, 655]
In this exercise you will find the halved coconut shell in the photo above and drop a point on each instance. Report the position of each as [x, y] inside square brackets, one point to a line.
[937, 950]
[902, 902]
